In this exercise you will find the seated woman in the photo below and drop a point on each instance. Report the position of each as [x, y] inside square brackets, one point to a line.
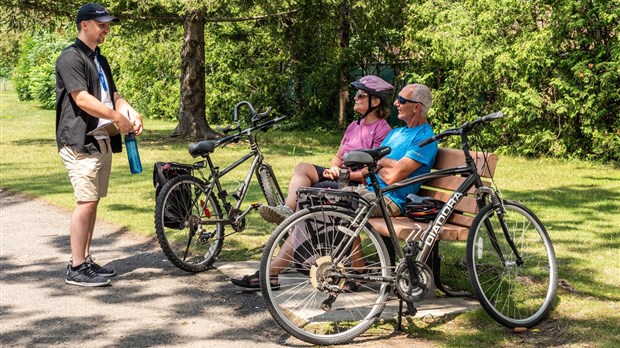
[367, 132]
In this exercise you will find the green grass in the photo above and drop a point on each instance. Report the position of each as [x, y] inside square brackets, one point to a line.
[579, 203]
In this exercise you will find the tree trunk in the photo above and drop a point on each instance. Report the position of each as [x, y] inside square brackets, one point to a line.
[192, 117]
[345, 38]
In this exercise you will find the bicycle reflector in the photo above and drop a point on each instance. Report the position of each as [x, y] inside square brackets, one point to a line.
[423, 209]
[205, 209]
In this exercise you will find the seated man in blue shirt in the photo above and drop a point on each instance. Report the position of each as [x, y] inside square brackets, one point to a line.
[406, 160]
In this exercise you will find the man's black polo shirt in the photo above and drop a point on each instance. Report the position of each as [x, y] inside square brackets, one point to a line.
[76, 71]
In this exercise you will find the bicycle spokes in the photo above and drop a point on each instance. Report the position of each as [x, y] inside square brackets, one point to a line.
[323, 299]
[515, 289]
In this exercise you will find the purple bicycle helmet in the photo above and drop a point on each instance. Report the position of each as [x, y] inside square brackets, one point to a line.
[376, 87]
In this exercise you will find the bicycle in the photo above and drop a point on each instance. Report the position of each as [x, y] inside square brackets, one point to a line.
[189, 218]
[510, 259]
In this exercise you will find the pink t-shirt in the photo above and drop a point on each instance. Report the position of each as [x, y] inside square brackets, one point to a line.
[363, 136]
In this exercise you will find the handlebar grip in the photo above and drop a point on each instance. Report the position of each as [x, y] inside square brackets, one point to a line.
[265, 126]
[493, 116]
[261, 115]
[227, 129]
[428, 141]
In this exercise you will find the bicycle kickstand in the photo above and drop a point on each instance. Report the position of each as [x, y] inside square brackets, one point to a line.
[410, 312]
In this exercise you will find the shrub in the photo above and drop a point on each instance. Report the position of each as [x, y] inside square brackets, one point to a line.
[34, 75]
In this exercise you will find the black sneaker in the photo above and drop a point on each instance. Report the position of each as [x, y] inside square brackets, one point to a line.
[104, 271]
[85, 276]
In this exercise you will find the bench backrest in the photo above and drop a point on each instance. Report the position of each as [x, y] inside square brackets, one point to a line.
[442, 188]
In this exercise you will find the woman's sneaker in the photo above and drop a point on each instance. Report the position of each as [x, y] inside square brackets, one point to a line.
[85, 276]
[275, 214]
[104, 271]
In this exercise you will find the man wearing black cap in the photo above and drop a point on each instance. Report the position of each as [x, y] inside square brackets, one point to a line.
[87, 101]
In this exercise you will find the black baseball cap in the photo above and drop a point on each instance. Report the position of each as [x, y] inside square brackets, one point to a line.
[94, 11]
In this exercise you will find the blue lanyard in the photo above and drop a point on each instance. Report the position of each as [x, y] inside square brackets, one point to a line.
[100, 73]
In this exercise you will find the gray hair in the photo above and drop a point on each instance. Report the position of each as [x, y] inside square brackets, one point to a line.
[422, 94]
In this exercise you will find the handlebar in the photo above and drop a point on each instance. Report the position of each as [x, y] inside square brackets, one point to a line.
[205, 147]
[260, 127]
[464, 129]
[255, 115]
[236, 112]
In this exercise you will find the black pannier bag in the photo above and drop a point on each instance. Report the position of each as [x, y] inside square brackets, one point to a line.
[179, 203]
[423, 209]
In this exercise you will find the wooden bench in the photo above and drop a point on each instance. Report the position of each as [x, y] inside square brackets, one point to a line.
[459, 223]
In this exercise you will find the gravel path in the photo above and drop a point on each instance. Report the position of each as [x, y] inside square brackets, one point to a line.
[150, 302]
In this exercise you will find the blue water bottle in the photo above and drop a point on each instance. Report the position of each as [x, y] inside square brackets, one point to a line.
[132, 152]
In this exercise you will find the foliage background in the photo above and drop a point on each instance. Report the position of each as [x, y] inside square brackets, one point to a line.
[553, 67]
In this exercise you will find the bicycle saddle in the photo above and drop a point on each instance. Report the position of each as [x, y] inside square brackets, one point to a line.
[358, 159]
[202, 148]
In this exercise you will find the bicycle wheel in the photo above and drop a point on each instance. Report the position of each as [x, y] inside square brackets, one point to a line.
[269, 185]
[515, 295]
[181, 215]
[314, 300]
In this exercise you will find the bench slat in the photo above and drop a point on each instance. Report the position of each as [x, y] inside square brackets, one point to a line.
[450, 183]
[404, 226]
[448, 158]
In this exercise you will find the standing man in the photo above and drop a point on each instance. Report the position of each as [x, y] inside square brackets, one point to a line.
[86, 99]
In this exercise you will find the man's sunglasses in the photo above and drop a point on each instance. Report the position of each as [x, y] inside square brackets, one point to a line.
[403, 100]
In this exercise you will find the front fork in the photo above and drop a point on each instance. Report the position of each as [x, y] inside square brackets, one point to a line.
[498, 208]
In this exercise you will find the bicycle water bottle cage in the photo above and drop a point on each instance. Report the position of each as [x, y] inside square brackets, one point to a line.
[359, 159]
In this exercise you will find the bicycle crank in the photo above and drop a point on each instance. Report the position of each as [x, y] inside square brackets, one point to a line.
[237, 219]
[413, 291]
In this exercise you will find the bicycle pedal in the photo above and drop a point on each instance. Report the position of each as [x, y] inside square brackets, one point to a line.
[411, 311]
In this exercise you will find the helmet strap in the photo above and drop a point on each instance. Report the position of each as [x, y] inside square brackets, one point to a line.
[370, 109]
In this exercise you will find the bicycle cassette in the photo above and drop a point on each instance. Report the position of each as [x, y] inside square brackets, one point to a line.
[320, 273]
[408, 291]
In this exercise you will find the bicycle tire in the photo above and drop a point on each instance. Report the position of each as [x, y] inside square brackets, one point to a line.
[296, 304]
[514, 295]
[181, 206]
[269, 185]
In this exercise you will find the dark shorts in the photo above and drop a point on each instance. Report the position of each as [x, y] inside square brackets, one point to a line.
[328, 183]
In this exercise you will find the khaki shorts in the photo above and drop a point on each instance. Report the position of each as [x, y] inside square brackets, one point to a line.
[365, 193]
[89, 174]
